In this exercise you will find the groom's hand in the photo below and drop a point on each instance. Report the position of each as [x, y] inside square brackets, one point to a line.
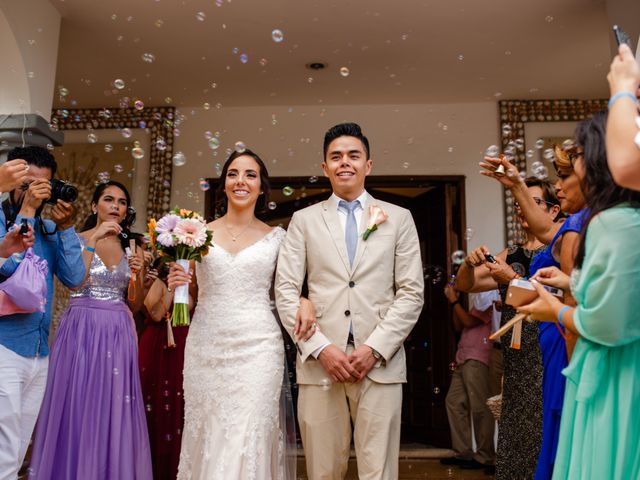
[337, 365]
[362, 360]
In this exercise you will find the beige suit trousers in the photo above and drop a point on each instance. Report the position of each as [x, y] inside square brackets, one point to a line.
[325, 414]
[466, 402]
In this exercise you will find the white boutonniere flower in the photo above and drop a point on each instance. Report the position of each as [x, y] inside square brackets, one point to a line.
[377, 216]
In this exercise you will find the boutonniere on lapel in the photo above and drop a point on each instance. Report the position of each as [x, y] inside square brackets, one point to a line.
[377, 216]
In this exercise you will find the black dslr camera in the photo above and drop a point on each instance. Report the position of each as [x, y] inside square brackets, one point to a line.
[62, 190]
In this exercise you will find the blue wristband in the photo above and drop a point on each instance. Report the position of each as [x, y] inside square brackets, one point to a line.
[619, 95]
[89, 249]
[561, 314]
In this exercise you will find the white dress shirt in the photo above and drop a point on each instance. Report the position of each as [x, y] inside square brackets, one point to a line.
[342, 218]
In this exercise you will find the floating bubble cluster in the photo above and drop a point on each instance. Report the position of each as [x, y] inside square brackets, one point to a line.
[240, 147]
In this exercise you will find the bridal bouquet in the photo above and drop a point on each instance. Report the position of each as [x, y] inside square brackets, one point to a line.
[180, 236]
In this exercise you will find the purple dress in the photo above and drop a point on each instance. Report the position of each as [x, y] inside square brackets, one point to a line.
[92, 421]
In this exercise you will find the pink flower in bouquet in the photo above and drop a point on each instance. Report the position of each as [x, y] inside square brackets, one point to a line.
[164, 229]
[191, 232]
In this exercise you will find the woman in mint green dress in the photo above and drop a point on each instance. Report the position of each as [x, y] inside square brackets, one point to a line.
[600, 425]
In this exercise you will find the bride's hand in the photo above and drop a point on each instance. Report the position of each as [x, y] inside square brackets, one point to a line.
[177, 277]
[305, 325]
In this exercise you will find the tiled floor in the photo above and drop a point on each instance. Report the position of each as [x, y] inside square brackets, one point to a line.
[413, 469]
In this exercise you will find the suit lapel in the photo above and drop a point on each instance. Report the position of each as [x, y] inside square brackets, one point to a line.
[330, 217]
[364, 222]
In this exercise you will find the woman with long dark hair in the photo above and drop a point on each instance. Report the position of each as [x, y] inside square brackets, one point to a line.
[234, 426]
[599, 437]
[92, 422]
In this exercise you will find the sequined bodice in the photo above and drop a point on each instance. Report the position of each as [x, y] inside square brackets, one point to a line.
[104, 283]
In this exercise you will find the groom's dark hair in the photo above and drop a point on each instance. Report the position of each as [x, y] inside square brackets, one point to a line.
[263, 199]
[345, 130]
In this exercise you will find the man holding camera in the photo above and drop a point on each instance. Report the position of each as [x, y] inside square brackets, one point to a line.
[24, 338]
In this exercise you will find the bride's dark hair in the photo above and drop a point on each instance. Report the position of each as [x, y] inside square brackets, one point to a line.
[263, 199]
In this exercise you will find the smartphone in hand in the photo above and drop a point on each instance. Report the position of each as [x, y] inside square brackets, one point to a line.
[621, 36]
[24, 227]
[521, 292]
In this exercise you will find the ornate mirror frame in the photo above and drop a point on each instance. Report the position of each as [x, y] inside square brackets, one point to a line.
[157, 121]
[514, 114]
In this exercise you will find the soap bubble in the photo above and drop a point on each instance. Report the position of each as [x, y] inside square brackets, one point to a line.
[272, 205]
[313, 179]
[277, 35]
[244, 58]
[118, 168]
[263, 62]
[530, 153]
[240, 147]
[201, 16]
[436, 390]
[539, 144]
[457, 257]
[214, 143]
[519, 143]
[108, 148]
[179, 159]
[325, 384]
[63, 92]
[139, 105]
[506, 130]
[137, 153]
[452, 366]
[92, 138]
[468, 234]
[148, 57]
[549, 154]
[541, 172]
[492, 151]
[204, 185]
[568, 144]
[118, 83]
[344, 71]
[161, 144]
[288, 191]
[126, 132]
[206, 105]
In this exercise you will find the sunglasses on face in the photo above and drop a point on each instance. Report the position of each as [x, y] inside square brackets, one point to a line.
[538, 200]
[573, 156]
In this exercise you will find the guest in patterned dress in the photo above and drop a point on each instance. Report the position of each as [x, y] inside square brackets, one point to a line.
[520, 431]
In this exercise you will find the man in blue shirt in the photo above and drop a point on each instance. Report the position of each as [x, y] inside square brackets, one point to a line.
[24, 347]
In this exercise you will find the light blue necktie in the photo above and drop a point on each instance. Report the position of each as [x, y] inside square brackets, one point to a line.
[351, 228]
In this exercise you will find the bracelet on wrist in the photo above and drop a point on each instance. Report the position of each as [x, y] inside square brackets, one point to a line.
[619, 95]
[90, 249]
[561, 313]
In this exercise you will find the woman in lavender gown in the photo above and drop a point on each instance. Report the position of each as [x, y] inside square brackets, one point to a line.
[92, 422]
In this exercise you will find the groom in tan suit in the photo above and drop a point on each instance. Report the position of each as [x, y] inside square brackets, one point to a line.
[368, 295]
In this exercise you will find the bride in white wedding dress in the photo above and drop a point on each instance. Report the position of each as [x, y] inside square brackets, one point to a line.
[234, 356]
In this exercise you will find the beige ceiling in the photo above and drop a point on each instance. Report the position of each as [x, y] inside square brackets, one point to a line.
[397, 51]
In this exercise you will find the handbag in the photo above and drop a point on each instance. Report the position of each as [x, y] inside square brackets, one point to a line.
[26, 289]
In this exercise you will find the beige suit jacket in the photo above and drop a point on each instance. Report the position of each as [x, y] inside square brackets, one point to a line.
[381, 295]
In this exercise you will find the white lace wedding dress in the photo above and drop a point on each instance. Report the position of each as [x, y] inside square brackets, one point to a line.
[233, 370]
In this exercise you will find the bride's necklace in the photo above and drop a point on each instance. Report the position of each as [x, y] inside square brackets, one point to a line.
[235, 237]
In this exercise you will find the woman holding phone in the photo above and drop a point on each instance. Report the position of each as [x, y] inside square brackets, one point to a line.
[599, 437]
